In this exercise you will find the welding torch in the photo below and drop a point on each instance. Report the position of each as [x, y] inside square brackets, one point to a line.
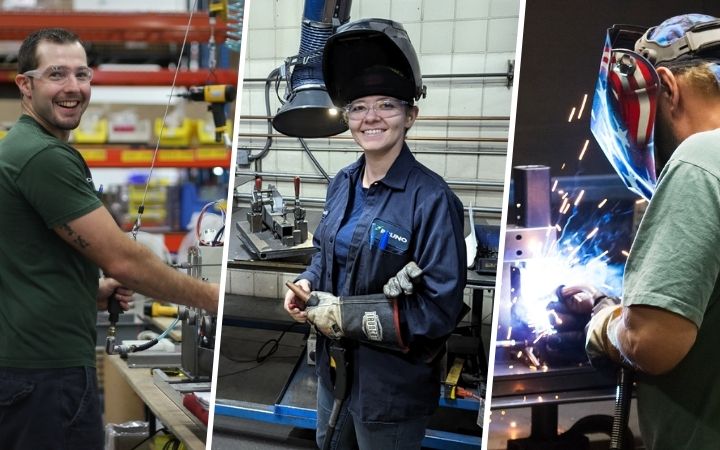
[217, 96]
[341, 365]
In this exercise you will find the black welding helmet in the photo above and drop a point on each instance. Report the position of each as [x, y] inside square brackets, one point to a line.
[626, 93]
[371, 57]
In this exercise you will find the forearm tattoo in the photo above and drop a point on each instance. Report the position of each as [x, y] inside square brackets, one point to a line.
[76, 238]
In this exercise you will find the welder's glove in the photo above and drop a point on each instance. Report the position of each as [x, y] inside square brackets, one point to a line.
[403, 281]
[372, 319]
[601, 343]
[569, 314]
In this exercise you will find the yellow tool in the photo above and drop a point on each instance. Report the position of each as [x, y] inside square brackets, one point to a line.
[453, 377]
[217, 96]
[158, 309]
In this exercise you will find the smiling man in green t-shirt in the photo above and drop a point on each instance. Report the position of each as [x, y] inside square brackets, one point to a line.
[56, 236]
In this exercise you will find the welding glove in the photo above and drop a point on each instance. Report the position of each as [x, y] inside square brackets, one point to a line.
[372, 319]
[601, 343]
[403, 281]
[569, 314]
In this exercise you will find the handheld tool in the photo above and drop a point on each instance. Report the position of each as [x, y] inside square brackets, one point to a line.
[340, 363]
[217, 96]
[114, 309]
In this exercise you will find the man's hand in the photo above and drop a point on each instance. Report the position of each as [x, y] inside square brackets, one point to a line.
[403, 281]
[294, 306]
[601, 331]
[324, 311]
[110, 287]
[569, 315]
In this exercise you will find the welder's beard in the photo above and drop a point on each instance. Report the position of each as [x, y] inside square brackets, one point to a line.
[664, 139]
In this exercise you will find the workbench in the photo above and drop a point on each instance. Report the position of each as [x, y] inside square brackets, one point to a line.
[178, 420]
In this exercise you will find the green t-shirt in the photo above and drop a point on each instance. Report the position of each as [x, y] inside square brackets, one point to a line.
[47, 289]
[675, 264]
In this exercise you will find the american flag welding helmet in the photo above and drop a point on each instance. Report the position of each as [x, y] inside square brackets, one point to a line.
[623, 110]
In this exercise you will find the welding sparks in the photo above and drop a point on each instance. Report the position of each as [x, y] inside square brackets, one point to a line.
[555, 317]
[625, 253]
[602, 203]
[579, 197]
[582, 152]
[565, 201]
[593, 233]
[562, 167]
[582, 106]
[567, 208]
[554, 186]
[572, 113]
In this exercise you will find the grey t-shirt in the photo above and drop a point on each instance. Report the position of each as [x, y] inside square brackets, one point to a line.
[674, 264]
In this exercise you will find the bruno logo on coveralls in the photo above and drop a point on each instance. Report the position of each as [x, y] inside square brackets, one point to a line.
[384, 234]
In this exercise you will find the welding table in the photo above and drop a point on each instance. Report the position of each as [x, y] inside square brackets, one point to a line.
[296, 403]
[179, 421]
[543, 392]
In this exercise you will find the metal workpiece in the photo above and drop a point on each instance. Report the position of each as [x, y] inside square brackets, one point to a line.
[271, 230]
[526, 243]
[531, 195]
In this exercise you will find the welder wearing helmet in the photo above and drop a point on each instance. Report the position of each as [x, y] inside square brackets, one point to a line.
[668, 325]
[388, 279]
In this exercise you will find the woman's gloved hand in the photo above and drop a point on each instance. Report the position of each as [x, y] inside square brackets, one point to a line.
[324, 311]
[404, 281]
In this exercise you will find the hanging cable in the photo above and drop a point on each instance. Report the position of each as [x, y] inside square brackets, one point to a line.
[141, 208]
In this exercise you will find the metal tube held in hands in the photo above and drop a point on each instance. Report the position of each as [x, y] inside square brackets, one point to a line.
[298, 291]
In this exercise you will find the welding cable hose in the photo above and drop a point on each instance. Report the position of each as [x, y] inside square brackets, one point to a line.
[151, 343]
[332, 421]
[623, 396]
[340, 365]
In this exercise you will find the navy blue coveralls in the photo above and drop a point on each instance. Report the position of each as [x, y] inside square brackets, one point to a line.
[424, 220]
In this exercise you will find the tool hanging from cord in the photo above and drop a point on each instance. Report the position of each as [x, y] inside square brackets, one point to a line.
[114, 308]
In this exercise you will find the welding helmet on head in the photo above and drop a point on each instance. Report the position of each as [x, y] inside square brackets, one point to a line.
[626, 93]
[371, 57]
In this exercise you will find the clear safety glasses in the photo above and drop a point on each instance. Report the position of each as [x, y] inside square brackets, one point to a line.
[385, 108]
[61, 74]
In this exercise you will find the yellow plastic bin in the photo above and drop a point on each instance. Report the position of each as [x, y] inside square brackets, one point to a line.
[180, 136]
[98, 134]
[206, 132]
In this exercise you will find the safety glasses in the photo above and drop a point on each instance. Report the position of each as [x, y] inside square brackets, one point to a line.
[385, 108]
[61, 74]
